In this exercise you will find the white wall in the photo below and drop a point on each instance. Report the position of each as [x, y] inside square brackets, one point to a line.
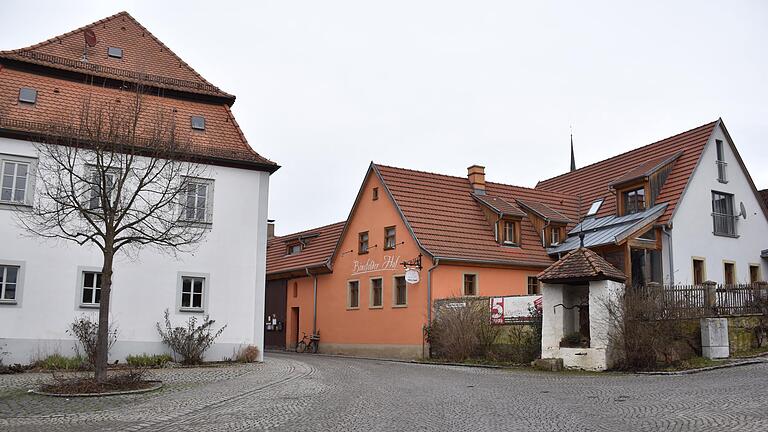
[692, 222]
[233, 254]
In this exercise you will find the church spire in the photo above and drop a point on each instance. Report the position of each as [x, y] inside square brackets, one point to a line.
[573, 159]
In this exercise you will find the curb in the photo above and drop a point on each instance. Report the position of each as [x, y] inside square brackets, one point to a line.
[705, 369]
[157, 385]
[391, 360]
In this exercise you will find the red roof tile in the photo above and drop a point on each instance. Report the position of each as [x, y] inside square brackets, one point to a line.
[145, 58]
[498, 205]
[645, 169]
[544, 211]
[580, 265]
[449, 223]
[592, 182]
[320, 243]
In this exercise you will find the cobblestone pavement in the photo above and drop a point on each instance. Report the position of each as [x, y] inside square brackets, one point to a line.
[304, 392]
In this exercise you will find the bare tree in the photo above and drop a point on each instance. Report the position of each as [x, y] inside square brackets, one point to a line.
[119, 178]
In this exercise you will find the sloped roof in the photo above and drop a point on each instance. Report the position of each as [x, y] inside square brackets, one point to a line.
[60, 103]
[544, 211]
[145, 58]
[450, 224]
[592, 182]
[498, 205]
[646, 168]
[320, 243]
[581, 265]
[764, 196]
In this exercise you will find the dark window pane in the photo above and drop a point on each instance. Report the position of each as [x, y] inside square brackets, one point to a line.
[87, 295]
[185, 299]
[98, 296]
[186, 285]
[12, 274]
[197, 301]
[98, 280]
[88, 279]
[10, 292]
[198, 286]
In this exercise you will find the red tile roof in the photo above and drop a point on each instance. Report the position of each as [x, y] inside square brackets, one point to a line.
[592, 182]
[145, 58]
[450, 224]
[544, 211]
[581, 265]
[646, 168]
[320, 243]
[61, 97]
[498, 205]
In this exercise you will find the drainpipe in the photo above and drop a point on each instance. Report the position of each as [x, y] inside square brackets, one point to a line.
[671, 258]
[314, 301]
[429, 300]
[544, 233]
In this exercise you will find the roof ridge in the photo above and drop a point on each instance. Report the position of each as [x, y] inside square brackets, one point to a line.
[467, 180]
[308, 230]
[712, 123]
[108, 19]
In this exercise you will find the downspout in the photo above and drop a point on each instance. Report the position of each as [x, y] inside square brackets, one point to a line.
[429, 300]
[671, 258]
[314, 300]
[544, 233]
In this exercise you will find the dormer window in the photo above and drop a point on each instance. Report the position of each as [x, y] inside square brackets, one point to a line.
[633, 200]
[294, 249]
[510, 233]
[198, 123]
[555, 236]
[27, 95]
[115, 52]
[595, 207]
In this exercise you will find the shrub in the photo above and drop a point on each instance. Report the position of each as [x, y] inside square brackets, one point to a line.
[148, 360]
[247, 354]
[86, 331]
[462, 332]
[60, 362]
[191, 341]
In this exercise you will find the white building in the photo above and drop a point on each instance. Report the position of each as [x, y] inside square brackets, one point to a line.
[45, 285]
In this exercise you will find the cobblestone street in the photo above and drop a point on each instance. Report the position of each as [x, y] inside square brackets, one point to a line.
[305, 392]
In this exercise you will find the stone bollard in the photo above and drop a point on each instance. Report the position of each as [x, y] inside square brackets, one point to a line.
[710, 295]
[714, 338]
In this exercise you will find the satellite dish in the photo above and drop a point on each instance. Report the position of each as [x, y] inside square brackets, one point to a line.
[743, 210]
[90, 37]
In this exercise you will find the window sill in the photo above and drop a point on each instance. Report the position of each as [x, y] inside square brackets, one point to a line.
[89, 306]
[191, 310]
[376, 307]
[199, 224]
[510, 244]
[353, 308]
[726, 235]
[399, 306]
[722, 181]
[9, 302]
[389, 248]
[8, 205]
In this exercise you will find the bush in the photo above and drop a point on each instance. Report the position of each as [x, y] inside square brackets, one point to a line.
[189, 342]
[247, 354]
[461, 333]
[60, 362]
[86, 333]
[148, 360]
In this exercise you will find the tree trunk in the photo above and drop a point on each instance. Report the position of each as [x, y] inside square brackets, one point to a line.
[102, 336]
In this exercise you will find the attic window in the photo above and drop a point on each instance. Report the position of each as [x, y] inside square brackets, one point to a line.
[294, 249]
[27, 95]
[375, 193]
[510, 233]
[115, 52]
[595, 207]
[198, 122]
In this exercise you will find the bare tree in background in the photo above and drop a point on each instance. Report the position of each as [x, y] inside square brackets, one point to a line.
[118, 178]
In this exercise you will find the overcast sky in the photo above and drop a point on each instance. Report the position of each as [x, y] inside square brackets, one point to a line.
[325, 87]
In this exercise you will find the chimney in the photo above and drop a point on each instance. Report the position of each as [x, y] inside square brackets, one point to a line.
[476, 176]
[270, 228]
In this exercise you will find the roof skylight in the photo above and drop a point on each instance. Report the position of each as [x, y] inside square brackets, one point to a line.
[28, 95]
[115, 52]
[595, 207]
[198, 122]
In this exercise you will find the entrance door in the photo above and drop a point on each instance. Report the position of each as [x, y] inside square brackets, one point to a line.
[274, 314]
[295, 328]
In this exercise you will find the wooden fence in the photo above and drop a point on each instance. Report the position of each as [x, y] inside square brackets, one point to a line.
[708, 300]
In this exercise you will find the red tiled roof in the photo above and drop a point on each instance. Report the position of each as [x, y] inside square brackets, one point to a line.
[592, 182]
[544, 211]
[60, 102]
[645, 169]
[145, 58]
[498, 205]
[449, 223]
[581, 264]
[317, 252]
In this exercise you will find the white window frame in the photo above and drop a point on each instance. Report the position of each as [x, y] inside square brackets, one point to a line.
[206, 292]
[370, 293]
[91, 171]
[208, 216]
[16, 301]
[349, 294]
[554, 231]
[81, 271]
[394, 291]
[29, 186]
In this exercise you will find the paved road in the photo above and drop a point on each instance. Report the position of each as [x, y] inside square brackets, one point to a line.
[304, 392]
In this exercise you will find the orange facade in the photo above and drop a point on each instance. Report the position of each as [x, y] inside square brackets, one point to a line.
[391, 327]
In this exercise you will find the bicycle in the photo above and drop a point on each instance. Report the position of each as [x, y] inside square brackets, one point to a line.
[308, 343]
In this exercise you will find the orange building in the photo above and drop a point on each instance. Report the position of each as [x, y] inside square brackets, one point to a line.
[347, 280]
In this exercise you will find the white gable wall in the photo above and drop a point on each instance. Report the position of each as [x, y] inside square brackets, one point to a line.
[692, 226]
[232, 256]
